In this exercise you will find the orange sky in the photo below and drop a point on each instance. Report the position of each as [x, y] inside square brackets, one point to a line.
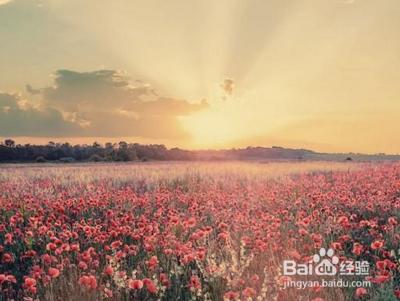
[319, 74]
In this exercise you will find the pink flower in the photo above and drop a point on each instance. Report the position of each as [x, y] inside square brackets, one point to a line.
[377, 244]
[151, 287]
[152, 262]
[135, 284]
[29, 282]
[361, 291]
[249, 292]
[89, 281]
[108, 270]
[194, 282]
[53, 272]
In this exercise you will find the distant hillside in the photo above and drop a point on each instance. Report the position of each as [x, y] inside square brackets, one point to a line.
[254, 153]
[65, 152]
[281, 153]
[352, 156]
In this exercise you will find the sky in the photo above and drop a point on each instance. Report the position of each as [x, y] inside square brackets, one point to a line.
[316, 74]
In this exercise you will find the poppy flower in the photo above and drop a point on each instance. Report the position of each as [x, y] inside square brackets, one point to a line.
[135, 284]
[150, 286]
[361, 292]
[53, 272]
[377, 244]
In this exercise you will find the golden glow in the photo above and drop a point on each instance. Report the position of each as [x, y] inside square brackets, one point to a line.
[213, 128]
[321, 74]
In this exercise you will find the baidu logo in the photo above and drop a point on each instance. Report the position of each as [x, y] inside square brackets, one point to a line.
[324, 263]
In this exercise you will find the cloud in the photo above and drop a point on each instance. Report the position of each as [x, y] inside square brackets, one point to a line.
[228, 85]
[103, 88]
[18, 118]
[105, 103]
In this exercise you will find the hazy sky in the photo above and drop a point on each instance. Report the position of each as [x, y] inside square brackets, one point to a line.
[319, 74]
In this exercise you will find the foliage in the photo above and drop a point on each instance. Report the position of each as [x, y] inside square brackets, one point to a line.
[10, 152]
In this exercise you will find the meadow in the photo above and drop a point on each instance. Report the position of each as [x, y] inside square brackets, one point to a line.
[195, 230]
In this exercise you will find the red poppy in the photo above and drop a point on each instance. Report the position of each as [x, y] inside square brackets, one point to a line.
[135, 284]
[53, 272]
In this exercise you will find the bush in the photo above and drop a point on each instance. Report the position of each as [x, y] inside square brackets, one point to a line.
[96, 158]
[40, 159]
[67, 159]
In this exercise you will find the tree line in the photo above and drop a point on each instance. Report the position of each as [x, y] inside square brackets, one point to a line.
[65, 152]
[123, 151]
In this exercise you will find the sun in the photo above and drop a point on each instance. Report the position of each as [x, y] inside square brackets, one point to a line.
[208, 129]
[218, 126]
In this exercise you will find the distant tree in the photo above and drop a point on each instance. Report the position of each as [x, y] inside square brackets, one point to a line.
[9, 143]
[40, 159]
[123, 145]
[109, 145]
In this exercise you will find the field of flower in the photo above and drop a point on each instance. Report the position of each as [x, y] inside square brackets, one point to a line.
[194, 231]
